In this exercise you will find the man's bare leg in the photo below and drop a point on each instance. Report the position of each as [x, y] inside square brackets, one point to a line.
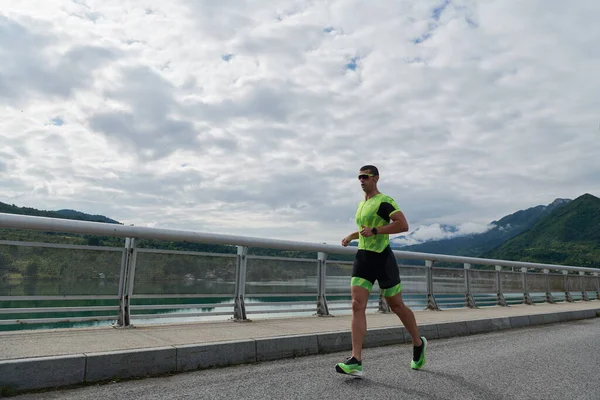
[406, 315]
[360, 297]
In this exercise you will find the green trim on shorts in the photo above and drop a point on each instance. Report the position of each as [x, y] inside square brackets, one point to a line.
[394, 290]
[356, 281]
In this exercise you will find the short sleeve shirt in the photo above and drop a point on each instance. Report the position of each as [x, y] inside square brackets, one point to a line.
[375, 212]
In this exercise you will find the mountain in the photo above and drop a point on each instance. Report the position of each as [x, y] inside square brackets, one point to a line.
[72, 214]
[569, 235]
[504, 229]
[65, 214]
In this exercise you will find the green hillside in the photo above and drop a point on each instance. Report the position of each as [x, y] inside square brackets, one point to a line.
[65, 214]
[569, 235]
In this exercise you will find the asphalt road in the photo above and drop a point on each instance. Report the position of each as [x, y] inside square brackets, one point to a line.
[560, 361]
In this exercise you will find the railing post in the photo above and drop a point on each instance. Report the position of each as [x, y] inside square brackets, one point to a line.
[383, 306]
[549, 298]
[431, 303]
[597, 285]
[526, 296]
[468, 295]
[124, 317]
[568, 296]
[132, 261]
[500, 300]
[322, 309]
[584, 295]
[239, 307]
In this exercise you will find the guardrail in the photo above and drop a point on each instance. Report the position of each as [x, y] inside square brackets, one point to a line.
[509, 282]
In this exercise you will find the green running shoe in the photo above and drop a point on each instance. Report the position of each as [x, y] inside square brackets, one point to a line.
[418, 360]
[350, 367]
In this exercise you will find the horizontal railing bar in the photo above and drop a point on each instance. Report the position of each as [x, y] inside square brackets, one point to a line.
[208, 313]
[16, 310]
[185, 253]
[454, 298]
[254, 295]
[494, 262]
[333, 294]
[56, 320]
[52, 297]
[180, 296]
[348, 308]
[314, 310]
[178, 306]
[278, 303]
[180, 315]
[453, 294]
[117, 230]
[330, 302]
[457, 298]
[272, 258]
[59, 246]
[437, 269]
[446, 293]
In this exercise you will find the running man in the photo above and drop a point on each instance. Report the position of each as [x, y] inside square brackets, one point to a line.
[377, 216]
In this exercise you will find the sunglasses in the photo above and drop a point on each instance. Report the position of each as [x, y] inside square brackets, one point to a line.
[364, 176]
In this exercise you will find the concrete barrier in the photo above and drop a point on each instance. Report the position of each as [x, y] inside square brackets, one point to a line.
[452, 329]
[276, 348]
[384, 337]
[479, 326]
[199, 356]
[499, 324]
[332, 342]
[130, 363]
[42, 372]
[519, 321]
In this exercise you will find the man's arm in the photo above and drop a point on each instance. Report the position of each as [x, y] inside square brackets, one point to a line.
[398, 225]
[349, 238]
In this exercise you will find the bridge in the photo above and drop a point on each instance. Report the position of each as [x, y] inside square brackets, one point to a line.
[111, 329]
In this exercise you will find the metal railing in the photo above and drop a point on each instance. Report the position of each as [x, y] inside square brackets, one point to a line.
[131, 282]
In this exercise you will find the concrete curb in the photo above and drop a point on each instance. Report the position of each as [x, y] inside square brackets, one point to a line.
[29, 374]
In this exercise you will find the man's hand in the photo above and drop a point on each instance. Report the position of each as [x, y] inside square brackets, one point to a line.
[366, 231]
[346, 241]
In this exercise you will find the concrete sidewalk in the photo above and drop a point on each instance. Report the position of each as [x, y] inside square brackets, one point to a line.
[53, 358]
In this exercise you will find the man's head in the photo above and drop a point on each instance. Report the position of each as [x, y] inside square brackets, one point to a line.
[368, 177]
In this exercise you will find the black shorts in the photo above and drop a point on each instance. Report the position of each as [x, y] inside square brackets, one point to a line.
[370, 266]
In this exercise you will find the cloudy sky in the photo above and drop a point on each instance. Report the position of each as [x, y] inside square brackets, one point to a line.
[253, 117]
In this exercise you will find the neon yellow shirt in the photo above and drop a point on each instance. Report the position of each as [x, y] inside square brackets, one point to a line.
[374, 213]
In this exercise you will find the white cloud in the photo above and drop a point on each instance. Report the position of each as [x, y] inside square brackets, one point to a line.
[426, 233]
[252, 118]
